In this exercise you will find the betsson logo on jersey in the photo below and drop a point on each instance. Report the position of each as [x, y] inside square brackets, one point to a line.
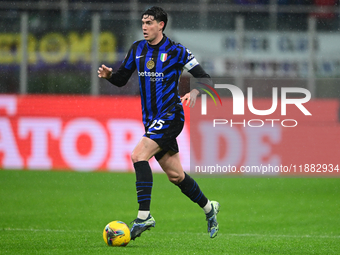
[154, 76]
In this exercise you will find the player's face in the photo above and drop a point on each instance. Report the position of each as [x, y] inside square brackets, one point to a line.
[152, 30]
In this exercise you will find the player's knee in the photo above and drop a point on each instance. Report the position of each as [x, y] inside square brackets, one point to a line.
[175, 178]
[135, 157]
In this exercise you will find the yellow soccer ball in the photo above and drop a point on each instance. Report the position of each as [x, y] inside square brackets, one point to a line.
[116, 233]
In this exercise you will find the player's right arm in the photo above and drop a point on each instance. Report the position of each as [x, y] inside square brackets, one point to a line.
[123, 74]
[119, 78]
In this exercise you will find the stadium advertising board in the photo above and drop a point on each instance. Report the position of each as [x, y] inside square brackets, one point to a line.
[56, 47]
[264, 54]
[80, 133]
[260, 45]
[83, 133]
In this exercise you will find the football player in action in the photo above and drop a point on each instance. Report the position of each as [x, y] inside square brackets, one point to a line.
[159, 62]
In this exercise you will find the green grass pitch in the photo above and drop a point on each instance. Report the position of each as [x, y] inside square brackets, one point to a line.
[43, 212]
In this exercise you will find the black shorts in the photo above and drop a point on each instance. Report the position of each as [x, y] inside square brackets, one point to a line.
[165, 129]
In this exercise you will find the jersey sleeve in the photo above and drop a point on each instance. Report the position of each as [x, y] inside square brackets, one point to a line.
[129, 61]
[123, 74]
[187, 59]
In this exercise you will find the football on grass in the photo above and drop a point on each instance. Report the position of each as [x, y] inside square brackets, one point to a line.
[116, 233]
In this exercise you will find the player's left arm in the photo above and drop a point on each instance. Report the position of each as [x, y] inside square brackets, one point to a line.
[197, 71]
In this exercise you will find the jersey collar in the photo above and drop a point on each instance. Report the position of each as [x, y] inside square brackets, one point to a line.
[158, 44]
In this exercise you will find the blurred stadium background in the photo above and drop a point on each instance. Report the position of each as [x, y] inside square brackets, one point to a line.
[50, 52]
[56, 46]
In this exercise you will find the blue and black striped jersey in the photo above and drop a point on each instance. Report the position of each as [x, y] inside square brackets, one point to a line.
[159, 68]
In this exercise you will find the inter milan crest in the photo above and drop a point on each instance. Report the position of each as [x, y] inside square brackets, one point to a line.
[150, 64]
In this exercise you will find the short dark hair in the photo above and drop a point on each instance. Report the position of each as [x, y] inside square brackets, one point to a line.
[158, 13]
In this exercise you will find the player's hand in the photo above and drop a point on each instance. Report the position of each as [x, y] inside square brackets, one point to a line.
[190, 98]
[104, 72]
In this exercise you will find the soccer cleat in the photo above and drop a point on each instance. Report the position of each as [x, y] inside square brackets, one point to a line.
[212, 220]
[139, 226]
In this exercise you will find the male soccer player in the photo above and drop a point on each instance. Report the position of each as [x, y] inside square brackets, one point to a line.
[159, 62]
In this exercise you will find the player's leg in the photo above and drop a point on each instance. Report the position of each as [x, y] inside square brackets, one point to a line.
[144, 150]
[171, 165]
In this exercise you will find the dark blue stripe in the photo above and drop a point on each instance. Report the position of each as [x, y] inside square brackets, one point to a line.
[193, 189]
[172, 117]
[199, 195]
[141, 51]
[145, 199]
[147, 195]
[156, 136]
[170, 98]
[148, 89]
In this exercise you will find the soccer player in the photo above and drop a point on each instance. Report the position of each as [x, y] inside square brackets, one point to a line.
[160, 62]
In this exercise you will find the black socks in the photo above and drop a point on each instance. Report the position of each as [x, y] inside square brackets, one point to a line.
[144, 183]
[190, 188]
